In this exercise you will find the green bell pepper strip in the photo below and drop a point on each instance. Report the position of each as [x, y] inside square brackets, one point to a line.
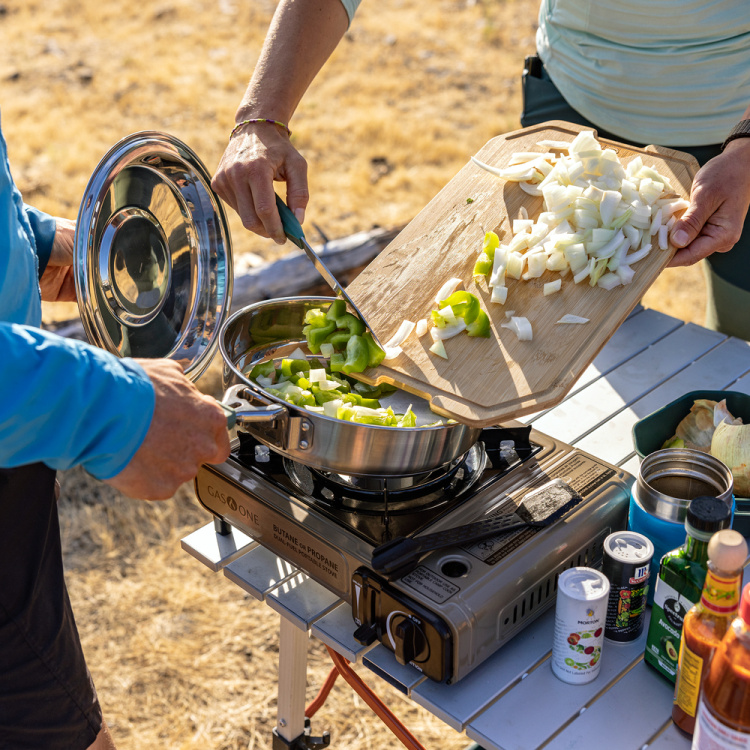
[350, 323]
[291, 367]
[374, 391]
[357, 355]
[263, 369]
[438, 320]
[316, 335]
[480, 326]
[316, 317]
[339, 340]
[464, 305]
[336, 309]
[377, 355]
[321, 397]
[409, 419]
[483, 266]
[337, 362]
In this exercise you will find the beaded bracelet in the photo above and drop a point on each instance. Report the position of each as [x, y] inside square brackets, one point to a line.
[258, 119]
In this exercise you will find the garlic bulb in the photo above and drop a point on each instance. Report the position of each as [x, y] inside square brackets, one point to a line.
[731, 444]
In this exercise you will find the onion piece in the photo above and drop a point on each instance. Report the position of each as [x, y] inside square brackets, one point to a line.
[520, 326]
[422, 326]
[401, 335]
[447, 289]
[439, 348]
[297, 354]
[391, 352]
[449, 331]
[552, 286]
[570, 318]
[327, 350]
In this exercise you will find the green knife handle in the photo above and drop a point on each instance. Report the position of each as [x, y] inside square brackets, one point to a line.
[292, 228]
[230, 413]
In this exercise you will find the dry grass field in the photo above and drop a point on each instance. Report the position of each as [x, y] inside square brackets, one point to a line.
[180, 657]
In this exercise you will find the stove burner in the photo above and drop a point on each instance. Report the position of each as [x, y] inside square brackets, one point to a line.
[389, 494]
[378, 508]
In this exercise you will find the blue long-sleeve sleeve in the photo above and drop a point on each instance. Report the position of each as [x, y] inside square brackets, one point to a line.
[66, 403]
[43, 228]
[62, 402]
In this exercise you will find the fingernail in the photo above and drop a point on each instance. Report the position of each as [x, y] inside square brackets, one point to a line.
[300, 214]
[680, 238]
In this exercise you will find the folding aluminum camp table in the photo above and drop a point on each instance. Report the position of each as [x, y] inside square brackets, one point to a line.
[513, 701]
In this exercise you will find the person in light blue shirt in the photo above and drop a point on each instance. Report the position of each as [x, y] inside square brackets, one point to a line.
[140, 426]
[674, 73]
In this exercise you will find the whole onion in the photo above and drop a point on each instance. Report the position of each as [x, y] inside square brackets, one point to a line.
[731, 445]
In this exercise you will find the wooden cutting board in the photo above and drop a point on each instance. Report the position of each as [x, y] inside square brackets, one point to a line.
[487, 381]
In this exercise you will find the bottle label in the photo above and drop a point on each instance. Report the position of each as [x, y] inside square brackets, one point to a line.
[667, 614]
[689, 673]
[721, 594]
[711, 734]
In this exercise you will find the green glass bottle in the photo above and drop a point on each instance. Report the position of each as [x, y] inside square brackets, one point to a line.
[682, 574]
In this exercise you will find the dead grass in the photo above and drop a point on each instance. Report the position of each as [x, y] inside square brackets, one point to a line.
[180, 657]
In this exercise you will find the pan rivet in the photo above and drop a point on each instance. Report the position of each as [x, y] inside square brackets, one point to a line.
[305, 426]
[304, 445]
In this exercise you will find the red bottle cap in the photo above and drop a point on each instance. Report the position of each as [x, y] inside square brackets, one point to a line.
[745, 605]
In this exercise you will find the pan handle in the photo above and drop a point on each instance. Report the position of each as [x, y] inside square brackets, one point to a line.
[238, 409]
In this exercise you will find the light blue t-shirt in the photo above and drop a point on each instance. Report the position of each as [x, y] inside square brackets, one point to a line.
[62, 402]
[668, 72]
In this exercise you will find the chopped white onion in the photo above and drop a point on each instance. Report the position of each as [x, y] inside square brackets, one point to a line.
[422, 326]
[404, 330]
[391, 352]
[447, 289]
[327, 350]
[439, 348]
[449, 331]
[520, 326]
[552, 286]
[570, 318]
[297, 354]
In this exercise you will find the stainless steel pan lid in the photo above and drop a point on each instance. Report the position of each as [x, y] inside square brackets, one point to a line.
[153, 259]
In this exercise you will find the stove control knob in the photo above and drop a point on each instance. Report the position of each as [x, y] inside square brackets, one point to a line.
[409, 641]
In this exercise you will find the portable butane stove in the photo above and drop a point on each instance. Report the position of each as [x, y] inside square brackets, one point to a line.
[443, 611]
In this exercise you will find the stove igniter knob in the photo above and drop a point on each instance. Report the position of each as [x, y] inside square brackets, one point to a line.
[409, 641]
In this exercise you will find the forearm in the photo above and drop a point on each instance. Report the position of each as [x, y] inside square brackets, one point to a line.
[66, 403]
[302, 36]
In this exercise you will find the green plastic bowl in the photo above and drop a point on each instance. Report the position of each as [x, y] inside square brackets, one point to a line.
[651, 432]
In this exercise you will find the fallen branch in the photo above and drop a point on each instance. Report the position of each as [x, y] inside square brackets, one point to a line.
[289, 276]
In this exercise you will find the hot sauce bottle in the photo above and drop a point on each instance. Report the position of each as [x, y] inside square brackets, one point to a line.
[724, 713]
[707, 622]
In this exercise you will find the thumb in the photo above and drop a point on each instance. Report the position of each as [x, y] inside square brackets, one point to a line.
[689, 225]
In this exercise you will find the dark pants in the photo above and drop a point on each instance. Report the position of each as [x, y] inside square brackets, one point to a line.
[47, 698]
[727, 274]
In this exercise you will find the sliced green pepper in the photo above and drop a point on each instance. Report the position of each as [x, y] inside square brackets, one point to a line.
[263, 369]
[290, 367]
[336, 309]
[480, 326]
[464, 305]
[483, 266]
[376, 353]
[316, 335]
[339, 340]
[407, 420]
[321, 397]
[350, 323]
[337, 362]
[316, 317]
[357, 355]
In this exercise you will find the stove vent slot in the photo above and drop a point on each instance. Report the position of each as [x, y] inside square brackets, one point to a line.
[541, 596]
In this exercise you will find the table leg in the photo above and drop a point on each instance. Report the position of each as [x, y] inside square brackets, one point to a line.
[293, 641]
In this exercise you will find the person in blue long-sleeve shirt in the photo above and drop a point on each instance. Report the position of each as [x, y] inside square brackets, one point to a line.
[138, 425]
